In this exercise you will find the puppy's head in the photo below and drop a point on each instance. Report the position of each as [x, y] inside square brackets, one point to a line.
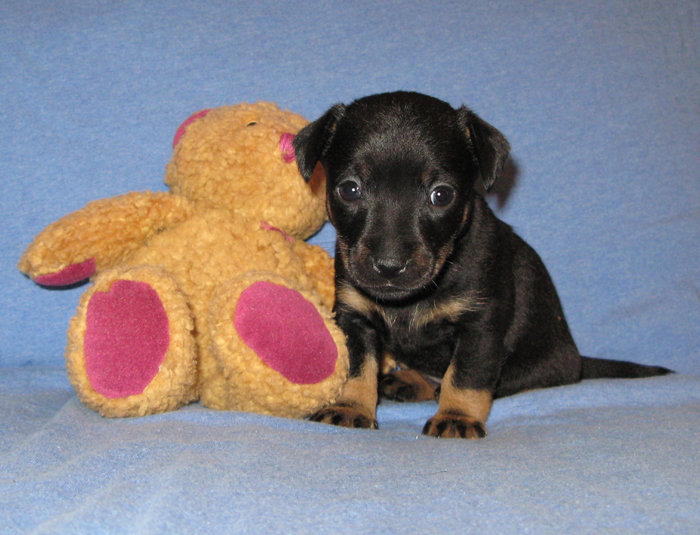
[400, 170]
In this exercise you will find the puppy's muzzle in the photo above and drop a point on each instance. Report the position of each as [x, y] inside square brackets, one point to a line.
[389, 268]
[391, 276]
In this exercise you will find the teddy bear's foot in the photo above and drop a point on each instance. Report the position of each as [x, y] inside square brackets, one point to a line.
[131, 350]
[127, 335]
[278, 347]
[286, 332]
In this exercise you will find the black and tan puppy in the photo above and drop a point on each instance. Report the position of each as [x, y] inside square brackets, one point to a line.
[425, 272]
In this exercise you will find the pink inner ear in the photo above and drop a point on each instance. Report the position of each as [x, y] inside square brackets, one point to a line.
[286, 147]
[181, 130]
[286, 332]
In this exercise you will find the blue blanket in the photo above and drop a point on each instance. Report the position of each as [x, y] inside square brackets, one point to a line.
[599, 100]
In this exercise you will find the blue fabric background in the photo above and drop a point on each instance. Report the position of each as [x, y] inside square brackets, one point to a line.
[600, 102]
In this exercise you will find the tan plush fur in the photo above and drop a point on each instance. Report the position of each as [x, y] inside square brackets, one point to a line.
[199, 247]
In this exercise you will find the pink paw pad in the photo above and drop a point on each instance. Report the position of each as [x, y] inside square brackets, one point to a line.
[70, 275]
[286, 332]
[127, 335]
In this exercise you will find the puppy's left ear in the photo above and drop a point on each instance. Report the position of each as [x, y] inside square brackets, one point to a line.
[490, 145]
[311, 143]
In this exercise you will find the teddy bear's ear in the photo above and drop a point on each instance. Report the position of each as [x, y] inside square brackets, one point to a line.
[181, 129]
[311, 143]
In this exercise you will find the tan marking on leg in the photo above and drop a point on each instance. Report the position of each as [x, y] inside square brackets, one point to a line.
[462, 413]
[362, 390]
[474, 403]
[357, 406]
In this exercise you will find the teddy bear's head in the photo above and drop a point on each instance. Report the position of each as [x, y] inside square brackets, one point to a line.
[241, 158]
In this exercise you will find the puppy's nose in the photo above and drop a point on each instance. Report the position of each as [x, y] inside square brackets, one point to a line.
[388, 267]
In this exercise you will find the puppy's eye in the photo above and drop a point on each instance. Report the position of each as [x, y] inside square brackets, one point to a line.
[252, 123]
[350, 191]
[442, 196]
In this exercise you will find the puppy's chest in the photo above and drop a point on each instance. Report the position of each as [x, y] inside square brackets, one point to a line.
[423, 336]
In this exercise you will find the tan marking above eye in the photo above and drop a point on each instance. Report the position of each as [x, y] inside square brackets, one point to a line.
[465, 215]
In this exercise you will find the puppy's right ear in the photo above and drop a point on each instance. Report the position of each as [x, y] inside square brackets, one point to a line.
[311, 143]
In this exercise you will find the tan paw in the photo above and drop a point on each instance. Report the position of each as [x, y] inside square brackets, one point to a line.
[345, 415]
[454, 424]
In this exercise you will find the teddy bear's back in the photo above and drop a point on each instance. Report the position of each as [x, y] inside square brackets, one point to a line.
[215, 246]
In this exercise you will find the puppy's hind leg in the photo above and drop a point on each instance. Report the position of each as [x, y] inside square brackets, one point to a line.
[406, 385]
[397, 382]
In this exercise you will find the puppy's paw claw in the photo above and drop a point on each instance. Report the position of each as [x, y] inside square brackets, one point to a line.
[454, 425]
[344, 416]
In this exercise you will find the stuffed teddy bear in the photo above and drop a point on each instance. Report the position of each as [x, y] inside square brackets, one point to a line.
[207, 292]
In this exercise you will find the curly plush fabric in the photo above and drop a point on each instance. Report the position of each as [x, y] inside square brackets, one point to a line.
[231, 167]
[599, 100]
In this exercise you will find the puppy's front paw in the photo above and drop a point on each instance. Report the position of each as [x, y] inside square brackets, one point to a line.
[345, 415]
[454, 425]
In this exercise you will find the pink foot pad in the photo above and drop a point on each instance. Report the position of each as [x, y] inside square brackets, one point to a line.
[126, 338]
[286, 332]
[70, 275]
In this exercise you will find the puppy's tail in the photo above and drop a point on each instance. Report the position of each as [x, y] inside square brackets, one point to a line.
[592, 368]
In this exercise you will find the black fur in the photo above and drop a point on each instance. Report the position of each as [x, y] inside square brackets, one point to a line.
[414, 236]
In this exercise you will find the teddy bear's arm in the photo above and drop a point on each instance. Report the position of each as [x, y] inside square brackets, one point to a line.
[99, 235]
[320, 267]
